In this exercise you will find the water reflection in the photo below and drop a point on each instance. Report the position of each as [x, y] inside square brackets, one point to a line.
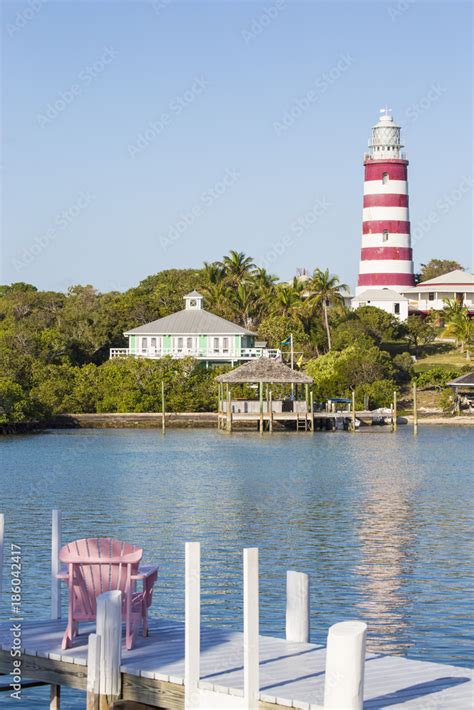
[387, 530]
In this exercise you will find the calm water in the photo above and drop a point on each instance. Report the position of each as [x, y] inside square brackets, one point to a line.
[382, 522]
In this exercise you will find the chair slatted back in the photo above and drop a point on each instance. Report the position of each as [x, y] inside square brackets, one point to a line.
[99, 565]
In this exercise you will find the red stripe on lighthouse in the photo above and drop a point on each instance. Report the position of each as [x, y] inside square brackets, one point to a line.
[386, 225]
[398, 253]
[395, 171]
[386, 280]
[385, 200]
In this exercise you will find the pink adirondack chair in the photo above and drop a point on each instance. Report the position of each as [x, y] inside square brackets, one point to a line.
[97, 565]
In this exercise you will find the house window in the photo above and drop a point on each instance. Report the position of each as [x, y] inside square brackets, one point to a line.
[144, 345]
[215, 345]
[396, 309]
[431, 296]
[189, 343]
[385, 235]
[225, 345]
[460, 298]
[179, 344]
[153, 343]
[385, 178]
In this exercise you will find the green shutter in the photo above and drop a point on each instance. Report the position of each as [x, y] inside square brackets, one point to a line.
[131, 344]
[203, 344]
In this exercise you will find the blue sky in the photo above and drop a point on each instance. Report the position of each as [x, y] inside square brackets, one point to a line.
[139, 136]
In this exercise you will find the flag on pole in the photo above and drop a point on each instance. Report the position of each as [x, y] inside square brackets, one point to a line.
[299, 361]
[287, 341]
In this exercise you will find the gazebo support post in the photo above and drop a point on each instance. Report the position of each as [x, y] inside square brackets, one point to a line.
[228, 409]
[261, 408]
[353, 426]
[311, 409]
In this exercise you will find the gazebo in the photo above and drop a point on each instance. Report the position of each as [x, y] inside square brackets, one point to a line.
[265, 372]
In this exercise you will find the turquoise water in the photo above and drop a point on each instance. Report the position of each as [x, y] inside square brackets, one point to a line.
[382, 522]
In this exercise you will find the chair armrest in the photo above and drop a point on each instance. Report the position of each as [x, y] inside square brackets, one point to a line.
[145, 572]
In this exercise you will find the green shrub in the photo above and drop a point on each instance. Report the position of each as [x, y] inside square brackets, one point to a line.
[436, 376]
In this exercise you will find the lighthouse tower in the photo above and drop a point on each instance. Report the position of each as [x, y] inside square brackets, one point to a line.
[386, 259]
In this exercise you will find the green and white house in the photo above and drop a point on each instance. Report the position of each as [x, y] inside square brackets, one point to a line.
[194, 332]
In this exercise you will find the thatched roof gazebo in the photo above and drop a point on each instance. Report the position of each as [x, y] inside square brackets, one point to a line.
[265, 371]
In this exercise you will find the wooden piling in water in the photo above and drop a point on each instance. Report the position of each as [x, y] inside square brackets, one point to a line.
[109, 628]
[270, 410]
[229, 409]
[260, 426]
[311, 408]
[93, 672]
[345, 661]
[297, 607]
[251, 628]
[394, 410]
[415, 411]
[55, 697]
[192, 620]
[353, 413]
[55, 548]
[163, 412]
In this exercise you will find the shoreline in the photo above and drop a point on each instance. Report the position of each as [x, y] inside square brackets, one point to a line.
[184, 420]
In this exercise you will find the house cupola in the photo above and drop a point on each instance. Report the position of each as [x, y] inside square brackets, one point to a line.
[193, 301]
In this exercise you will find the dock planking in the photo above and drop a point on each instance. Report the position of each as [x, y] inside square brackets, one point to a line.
[291, 674]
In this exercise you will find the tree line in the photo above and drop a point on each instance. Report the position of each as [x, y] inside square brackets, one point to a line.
[54, 347]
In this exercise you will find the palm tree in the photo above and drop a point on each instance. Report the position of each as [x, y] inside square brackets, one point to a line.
[461, 327]
[213, 272]
[325, 289]
[237, 266]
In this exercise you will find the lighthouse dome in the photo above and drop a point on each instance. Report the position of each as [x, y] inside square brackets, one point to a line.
[385, 142]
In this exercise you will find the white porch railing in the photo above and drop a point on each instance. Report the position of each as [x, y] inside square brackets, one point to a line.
[200, 354]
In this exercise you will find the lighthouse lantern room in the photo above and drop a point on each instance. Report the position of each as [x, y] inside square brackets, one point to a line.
[386, 259]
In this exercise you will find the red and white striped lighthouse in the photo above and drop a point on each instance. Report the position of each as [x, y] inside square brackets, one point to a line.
[386, 256]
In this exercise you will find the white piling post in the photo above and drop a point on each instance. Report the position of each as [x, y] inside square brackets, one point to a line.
[251, 628]
[109, 628]
[93, 672]
[192, 627]
[2, 538]
[345, 661]
[297, 607]
[55, 548]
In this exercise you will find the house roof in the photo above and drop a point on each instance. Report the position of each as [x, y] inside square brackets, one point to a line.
[463, 381]
[194, 294]
[380, 294]
[265, 370]
[190, 322]
[454, 278]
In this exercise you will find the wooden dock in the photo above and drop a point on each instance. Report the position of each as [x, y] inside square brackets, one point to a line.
[292, 675]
